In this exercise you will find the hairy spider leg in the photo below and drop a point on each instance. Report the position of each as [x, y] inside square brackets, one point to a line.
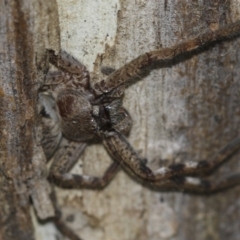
[131, 69]
[65, 157]
[175, 175]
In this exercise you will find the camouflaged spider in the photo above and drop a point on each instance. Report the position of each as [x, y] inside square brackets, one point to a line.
[74, 110]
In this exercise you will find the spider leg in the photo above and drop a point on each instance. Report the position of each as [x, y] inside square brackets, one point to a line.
[189, 184]
[64, 160]
[74, 74]
[64, 229]
[59, 223]
[122, 151]
[65, 62]
[54, 78]
[131, 69]
[198, 185]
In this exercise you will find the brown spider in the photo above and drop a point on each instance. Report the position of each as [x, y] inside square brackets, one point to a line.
[74, 110]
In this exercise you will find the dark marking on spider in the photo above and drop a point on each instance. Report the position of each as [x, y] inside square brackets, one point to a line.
[177, 167]
[44, 113]
[203, 164]
[178, 180]
[70, 218]
[205, 184]
[75, 111]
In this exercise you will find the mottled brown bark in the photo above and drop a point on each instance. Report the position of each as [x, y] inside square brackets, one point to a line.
[185, 111]
[27, 28]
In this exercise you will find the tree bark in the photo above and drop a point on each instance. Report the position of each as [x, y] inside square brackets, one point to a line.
[27, 28]
[186, 111]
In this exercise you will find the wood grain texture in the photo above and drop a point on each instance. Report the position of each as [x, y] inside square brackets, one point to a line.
[185, 111]
[25, 33]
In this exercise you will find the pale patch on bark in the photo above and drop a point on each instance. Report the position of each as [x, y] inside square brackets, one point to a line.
[86, 27]
[175, 111]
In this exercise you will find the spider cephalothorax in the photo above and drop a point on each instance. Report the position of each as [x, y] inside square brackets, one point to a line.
[74, 110]
[83, 113]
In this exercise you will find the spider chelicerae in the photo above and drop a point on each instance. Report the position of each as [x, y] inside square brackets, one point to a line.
[74, 111]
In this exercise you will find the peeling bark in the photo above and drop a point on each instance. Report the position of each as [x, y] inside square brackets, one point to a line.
[26, 30]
